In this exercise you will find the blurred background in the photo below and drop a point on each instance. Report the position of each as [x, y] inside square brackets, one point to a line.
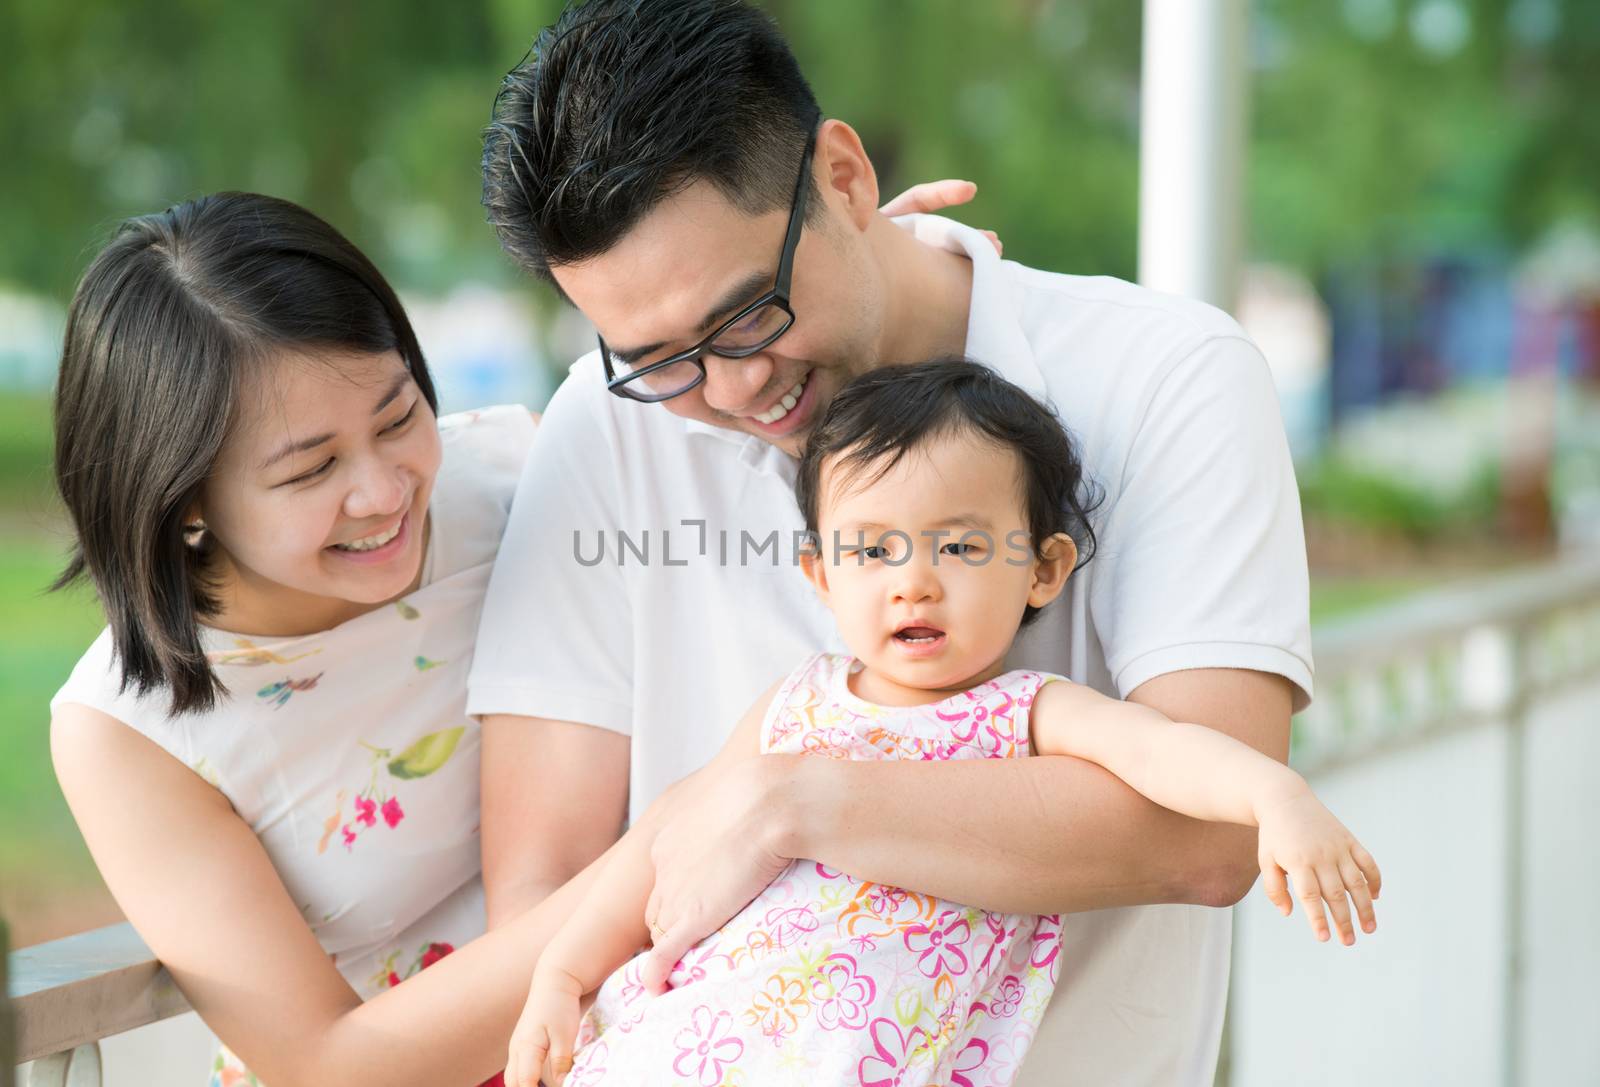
[1421, 266]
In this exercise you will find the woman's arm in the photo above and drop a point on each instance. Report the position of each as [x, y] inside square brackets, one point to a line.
[607, 929]
[197, 885]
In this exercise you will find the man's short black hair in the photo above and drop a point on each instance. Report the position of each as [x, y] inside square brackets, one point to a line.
[884, 414]
[623, 103]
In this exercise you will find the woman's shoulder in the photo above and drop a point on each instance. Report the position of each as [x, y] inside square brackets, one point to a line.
[492, 437]
[484, 452]
[96, 682]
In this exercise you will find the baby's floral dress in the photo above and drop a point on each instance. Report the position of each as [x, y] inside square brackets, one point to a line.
[349, 752]
[826, 979]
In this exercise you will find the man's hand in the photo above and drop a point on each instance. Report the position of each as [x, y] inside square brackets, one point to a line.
[931, 196]
[714, 853]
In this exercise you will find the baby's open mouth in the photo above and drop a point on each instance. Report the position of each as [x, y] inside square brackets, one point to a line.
[919, 635]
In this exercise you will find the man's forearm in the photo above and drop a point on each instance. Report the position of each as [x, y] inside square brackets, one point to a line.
[1034, 835]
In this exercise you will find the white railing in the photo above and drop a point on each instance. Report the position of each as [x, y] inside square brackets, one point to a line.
[1420, 732]
[1394, 678]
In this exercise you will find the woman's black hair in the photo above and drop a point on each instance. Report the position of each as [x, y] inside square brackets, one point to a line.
[889, 412]
[163, 331]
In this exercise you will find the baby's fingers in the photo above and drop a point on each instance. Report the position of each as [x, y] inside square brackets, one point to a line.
[1332, 885]
[526, 1057]
[1310, 896]
[558, 1064]
[1356, 883]
[1369, 869]
[1273, 882]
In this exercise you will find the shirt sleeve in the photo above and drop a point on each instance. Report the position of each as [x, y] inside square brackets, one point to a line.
[555, 640]
[1202, 544]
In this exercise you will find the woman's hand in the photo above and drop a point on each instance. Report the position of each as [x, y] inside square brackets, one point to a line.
[1302, 840]
[543, 1041]
[931, 196]
[714, 853]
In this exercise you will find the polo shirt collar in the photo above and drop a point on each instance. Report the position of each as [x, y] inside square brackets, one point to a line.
[994, 321]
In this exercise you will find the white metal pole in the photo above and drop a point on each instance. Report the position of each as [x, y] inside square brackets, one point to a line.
[1191, 147]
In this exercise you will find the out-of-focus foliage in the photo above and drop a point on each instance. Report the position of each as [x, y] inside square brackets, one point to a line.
[1399, 126]
[1420, 123]
[370, 113]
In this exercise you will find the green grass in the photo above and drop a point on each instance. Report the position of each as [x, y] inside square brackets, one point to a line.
[26, 449]
[41, 637]
[1337, 597]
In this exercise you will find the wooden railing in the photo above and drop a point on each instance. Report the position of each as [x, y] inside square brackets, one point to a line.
[69, 994]
[1396, 676]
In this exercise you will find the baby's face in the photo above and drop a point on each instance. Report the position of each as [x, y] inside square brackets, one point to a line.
[928, 569]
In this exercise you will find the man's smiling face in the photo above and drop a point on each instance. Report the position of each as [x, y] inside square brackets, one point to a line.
[694, 261]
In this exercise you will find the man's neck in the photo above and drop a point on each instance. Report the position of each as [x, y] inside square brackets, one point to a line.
[928, 294]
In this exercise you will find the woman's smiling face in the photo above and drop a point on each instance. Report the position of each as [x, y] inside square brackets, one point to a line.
[317, 507]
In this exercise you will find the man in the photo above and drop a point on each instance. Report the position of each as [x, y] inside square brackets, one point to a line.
[665, 166]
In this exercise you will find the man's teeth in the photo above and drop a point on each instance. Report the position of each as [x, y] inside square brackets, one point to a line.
[370, 543]
[784, 406]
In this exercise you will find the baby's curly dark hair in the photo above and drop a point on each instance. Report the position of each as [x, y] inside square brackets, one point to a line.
[882, 415]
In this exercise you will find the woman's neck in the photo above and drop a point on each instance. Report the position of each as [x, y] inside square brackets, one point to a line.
[258, 608]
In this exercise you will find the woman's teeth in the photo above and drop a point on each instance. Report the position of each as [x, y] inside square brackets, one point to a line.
[784, 406]
[370, 543]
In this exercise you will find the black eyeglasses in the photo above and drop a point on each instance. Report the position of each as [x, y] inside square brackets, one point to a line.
[740, 336]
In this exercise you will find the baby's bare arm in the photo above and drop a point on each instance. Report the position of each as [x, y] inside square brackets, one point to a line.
[1191, 769]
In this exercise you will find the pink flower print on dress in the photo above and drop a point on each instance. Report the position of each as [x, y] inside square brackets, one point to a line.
[998, 934]
[706, 1046]
[969, 1064]
[591, 1066]
[841, 995]
[938, 946]
[426, 756]
[884, 900]
[778, 1009]
[1006, 1054]
[1046, 945]
[1008, 998]
[893, 1052]
[789, 925]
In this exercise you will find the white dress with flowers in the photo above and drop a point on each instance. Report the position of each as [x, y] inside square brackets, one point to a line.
[349, 752]
[826, 979]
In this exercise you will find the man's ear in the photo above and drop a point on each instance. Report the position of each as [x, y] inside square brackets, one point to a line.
[814, 568]
[1051, 568]
[846, 175]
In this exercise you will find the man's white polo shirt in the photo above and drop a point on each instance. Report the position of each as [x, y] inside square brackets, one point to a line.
[645, 585]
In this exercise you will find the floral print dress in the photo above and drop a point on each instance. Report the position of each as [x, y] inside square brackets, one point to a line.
[826, 979]
[349, 752]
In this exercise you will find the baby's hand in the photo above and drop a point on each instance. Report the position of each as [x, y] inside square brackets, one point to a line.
[1301, 839]
[541, 1044]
